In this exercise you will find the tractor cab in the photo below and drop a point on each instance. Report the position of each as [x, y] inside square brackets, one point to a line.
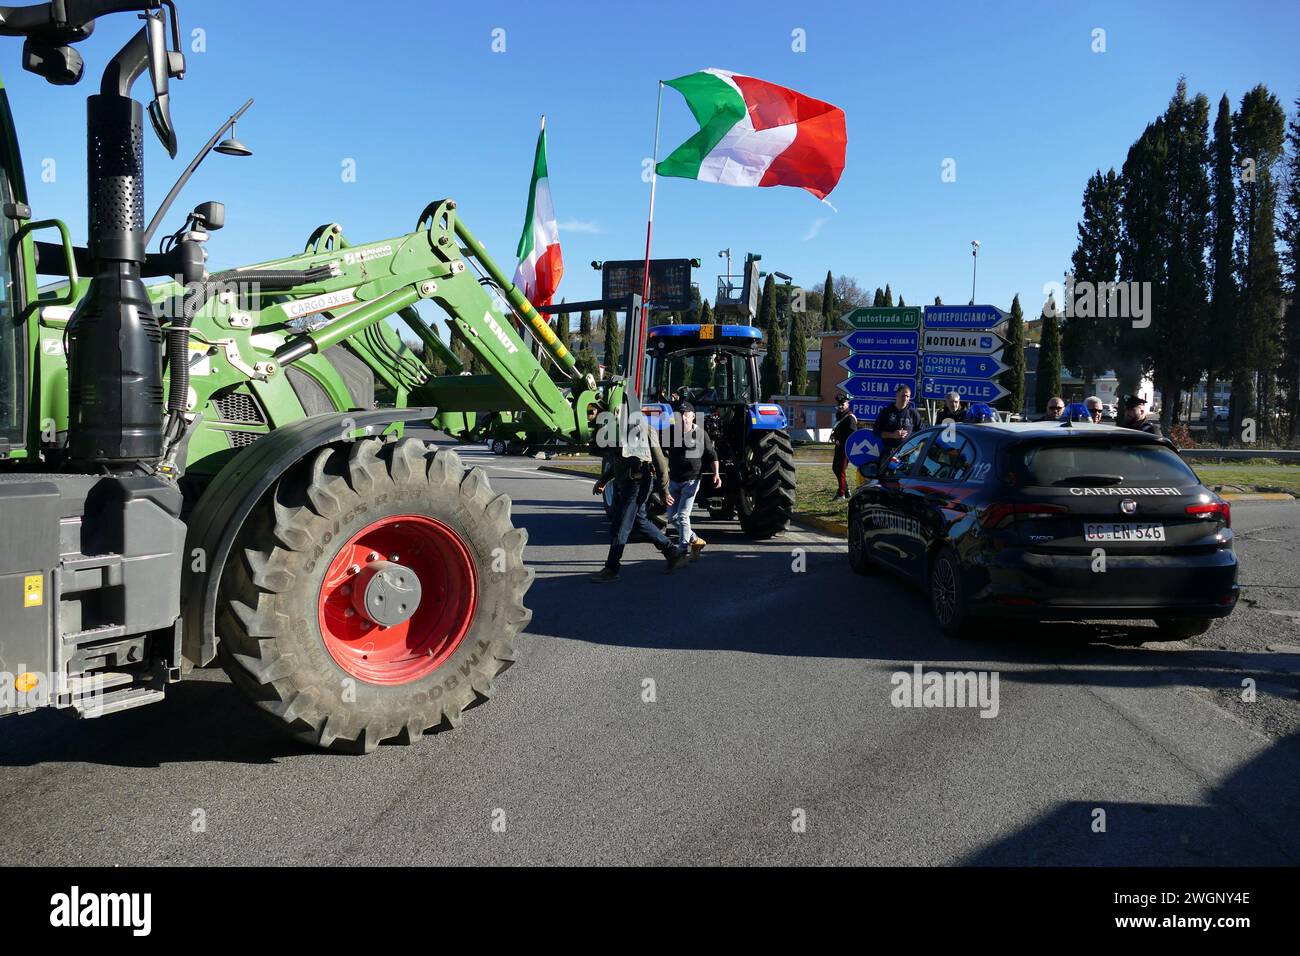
[715, 368]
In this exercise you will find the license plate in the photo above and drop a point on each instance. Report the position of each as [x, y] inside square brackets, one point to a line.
[1123, 531]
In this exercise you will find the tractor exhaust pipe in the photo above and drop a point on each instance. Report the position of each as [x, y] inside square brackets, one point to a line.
[114, 338]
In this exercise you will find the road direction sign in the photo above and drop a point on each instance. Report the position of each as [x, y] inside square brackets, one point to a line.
[873, 387]
[862, 448]
[970, 389]
[880, 340]
[867, 364]
[963, 316]
[963, 366]
[866, 409]
[900, 317]
[961, 342]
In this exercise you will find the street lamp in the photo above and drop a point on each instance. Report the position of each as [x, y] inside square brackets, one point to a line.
[975, 259]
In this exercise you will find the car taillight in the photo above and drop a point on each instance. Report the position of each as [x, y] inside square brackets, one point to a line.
[996, 516]
[1212, 508]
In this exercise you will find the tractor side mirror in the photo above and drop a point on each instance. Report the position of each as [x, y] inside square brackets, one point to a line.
[57, 64]
[162, 66]
[211, 215]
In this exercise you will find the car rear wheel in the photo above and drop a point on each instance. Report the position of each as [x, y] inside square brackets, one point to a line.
[859, 560]
[1178, 628]
[947, 598]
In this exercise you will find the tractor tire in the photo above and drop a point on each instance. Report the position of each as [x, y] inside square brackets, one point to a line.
[369, 517]
[766, 498]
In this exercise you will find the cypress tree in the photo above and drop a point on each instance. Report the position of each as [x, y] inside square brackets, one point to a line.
[584, 330]
[889, 296]
[938, 301]
[1048, 378]
[797, 356]
[613, 343]
[1289, 234]
[879, 300]
[1142, 251]
[1217, 342]
[901, 303]
[770, 372]
[830, 314]
[1177, 353]
[1013, 379]
[1088, 340]
[701, 367]
[1258, 132]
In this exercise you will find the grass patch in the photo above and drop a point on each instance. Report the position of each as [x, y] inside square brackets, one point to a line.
[1251, 476]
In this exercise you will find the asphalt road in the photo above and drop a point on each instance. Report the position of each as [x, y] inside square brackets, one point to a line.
[771, 736]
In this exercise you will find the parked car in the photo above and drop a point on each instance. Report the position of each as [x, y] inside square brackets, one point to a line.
[1049, 521]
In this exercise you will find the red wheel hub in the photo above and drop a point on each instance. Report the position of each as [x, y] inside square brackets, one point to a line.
[378, 564]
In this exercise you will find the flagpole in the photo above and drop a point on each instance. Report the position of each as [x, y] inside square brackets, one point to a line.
[649, 230]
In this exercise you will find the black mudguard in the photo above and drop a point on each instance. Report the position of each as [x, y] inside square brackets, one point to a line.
[232, 495]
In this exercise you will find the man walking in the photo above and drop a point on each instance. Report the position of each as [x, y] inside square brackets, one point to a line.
[632, 467]
[689, 456]
[895, 424]
[846, 423]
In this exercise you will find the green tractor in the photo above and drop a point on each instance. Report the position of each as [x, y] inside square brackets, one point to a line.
[199, 470]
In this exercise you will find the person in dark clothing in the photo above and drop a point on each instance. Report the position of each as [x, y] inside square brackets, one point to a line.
[1055, 406]
[846, 423]
[634, 468]
[688, 459]
[1135, 416]
[952, 408]
[895, 424]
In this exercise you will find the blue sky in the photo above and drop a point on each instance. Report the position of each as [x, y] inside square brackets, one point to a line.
[413, 92]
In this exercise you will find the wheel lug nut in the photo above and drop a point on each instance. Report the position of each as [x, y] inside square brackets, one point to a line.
[355, 569]
[392, 557]
[373, 556]
[350, 612]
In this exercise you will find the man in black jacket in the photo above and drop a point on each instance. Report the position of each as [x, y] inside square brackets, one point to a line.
[690, 457]
[897, 423]
[846, 423]
[1135, 416]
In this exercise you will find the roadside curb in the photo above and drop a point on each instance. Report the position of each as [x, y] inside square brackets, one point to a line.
[1256, 496]
[837, 528]
[561, 470]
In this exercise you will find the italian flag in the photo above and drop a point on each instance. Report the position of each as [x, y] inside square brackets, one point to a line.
[755, 133]
[540, 262]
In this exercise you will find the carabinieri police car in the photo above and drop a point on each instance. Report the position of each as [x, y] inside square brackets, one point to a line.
[1048, 521]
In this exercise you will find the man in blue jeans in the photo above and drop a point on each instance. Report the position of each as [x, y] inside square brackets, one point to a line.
[688, 458]
[633, 478]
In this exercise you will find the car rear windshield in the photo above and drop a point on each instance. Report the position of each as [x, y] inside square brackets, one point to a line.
[1076, 464]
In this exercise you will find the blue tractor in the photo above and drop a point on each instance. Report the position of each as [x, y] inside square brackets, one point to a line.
[715, 367]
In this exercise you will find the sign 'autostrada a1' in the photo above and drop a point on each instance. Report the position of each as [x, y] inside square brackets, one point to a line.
[884, 353]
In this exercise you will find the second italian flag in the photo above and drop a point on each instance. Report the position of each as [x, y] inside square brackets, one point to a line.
[755, 133]
[540, 262]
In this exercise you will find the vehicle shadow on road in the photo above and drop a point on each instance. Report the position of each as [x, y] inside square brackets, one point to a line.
[198, 721]
[1248, 819]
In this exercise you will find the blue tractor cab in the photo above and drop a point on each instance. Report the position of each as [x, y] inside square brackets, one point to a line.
[715, 368]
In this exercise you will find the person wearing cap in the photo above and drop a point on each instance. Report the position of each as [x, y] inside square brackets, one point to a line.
[896, 423]
[1055, 406]
[1095, 408]
[1135, 416]
[952, 410]
[689, 455]
[846, 423]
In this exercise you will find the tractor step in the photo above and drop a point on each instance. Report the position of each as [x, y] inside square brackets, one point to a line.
[124, 698]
